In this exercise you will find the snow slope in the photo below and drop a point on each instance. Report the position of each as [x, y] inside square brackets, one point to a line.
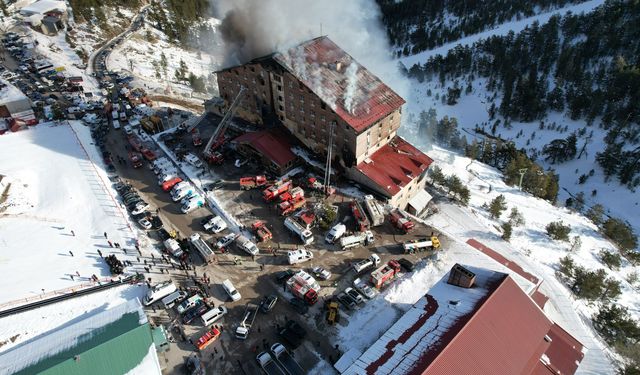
[57, 186]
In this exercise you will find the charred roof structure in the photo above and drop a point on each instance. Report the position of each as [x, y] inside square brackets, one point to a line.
[473, 321]
[316, 88]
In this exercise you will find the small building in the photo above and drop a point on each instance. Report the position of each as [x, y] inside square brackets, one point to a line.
[115, 341]
[50, 25]
[12, 100]
[274, 151]
[41, 7]
[473, 321]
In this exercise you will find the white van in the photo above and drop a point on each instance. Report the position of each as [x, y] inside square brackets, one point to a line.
[231, 290]
[193, 160]
[299, 256]
[189, 303]
[173, 298]
[336, 232]
[213, 315]
[159, 291]
[116, 124]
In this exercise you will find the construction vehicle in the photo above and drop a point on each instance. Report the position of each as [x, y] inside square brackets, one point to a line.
[364, 265]
[304, 234]
[362, 222]
[422, 244]
[355, 240]
[385, 274]
[247, 183]
[203, 249]
[268, 365]
[250, 313]
[304, 286]
[285, 359]
[136, 159]
[400, 220]
[273, 191]
[262, 232]
[332, 312]
[208, 338]
[217, 138]
[195, 138]
[288, 207]
[374, 209]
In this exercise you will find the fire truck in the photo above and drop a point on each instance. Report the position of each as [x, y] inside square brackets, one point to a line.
[261, 230]
[273, 191]
[385, 274]
[362, 222]
[247, 183]
[286, 208]
[136, 159]
[304, 286]
[209, 337]
[400, 220]
[292, 194]
[195, 138]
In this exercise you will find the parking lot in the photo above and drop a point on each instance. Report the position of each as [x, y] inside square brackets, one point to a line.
[254, 277]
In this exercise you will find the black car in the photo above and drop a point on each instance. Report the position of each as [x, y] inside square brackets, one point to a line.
[293, 334]
[217, 184]
[299, 305]
[346, 300]
[406, 264]
[268, 303]
[195, 312]
[156, 222]
[205, 219]
[283, 276]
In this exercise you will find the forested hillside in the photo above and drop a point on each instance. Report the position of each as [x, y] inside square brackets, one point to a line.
[417, 25]
[587, 65]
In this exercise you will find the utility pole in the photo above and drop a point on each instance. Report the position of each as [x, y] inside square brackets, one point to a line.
[522, 171]
[327, 167]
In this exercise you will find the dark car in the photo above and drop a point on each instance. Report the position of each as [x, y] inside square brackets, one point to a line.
[163, 235]
[195, 312]
[156, 222]
[346, 301]
[205, 219]
[406, 264]
[299, 305]
[217, 184]
[293, 334]
[268, 303]
[283, 276]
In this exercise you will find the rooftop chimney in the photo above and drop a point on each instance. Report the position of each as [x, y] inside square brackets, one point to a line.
[460, 276]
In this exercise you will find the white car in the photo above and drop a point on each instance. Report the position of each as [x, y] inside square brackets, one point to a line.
[128, 129]
[116, 124]
[140, 208]
[321, 273]
[216, 224]
[364, 289]
[144, 223]
[193, 160]
[226, 240]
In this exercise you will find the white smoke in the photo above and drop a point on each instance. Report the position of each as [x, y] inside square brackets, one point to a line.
[352, 84]
[254, 28]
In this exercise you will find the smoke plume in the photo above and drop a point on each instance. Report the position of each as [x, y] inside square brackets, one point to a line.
[254, 28]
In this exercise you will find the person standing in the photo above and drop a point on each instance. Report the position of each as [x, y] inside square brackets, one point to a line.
[70, 252]
[73, 233]
[100, 253]
[105, 234]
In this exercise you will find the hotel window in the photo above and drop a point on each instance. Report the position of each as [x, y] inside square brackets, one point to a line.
[290, 84]
[279, 87]
[322, 118]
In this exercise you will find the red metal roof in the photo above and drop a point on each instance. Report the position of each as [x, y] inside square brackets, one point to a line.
[539, 298]
[394, 165]
[564, 354]
[354, 93]
[515, 267]
[274, 148]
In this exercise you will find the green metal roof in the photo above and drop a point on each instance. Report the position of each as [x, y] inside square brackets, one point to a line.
[114, 348]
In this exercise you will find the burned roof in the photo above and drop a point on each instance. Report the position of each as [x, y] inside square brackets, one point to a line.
[395, 165]
[353, 92]
[491, 328]
[275, 148]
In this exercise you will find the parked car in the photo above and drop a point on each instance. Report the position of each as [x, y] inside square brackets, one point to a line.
[194, 313]
[346, 301]
[144, 223]
[406, 264]
[268, 303]
[354, 295]
[283, 276]
[321, 273]
[226, 240]
[214, 185]
[364, 289]
[299, 305]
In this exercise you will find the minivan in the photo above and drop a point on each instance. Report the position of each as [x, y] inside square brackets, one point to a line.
[189, 303]
[213, 315]
[173, 298]
[231, 290]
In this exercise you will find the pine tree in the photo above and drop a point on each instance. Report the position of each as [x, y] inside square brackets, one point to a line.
[558, 231]
[506, 231]
[497, 206]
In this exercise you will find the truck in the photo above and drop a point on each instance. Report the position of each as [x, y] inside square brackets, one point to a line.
[136, 159]
[252, 182]
[421, 244]
[305, 235]
[195, 138]
[374, 209]
[285, 359]
[214, 157]
[365, 264]
[173, 247]
[362, 222]
[246, 245]
[203, 249]
[332, 312]
[286, 208]
[304, 286]
[208, 338]
[385, 274]
[192, 204]
[216, 224]
[273, 191]
[268, 365]
[262, 232]
[292, 194]
[401, 221]
[250, 313]
[335, 233]
[355, 240]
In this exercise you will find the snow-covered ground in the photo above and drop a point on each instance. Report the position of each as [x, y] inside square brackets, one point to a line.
[58, 185]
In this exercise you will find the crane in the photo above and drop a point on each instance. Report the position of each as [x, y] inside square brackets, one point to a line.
[217, 139]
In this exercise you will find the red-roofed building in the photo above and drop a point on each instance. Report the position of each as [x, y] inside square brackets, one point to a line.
[315, 84]
[274, 151]
[493, 327]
